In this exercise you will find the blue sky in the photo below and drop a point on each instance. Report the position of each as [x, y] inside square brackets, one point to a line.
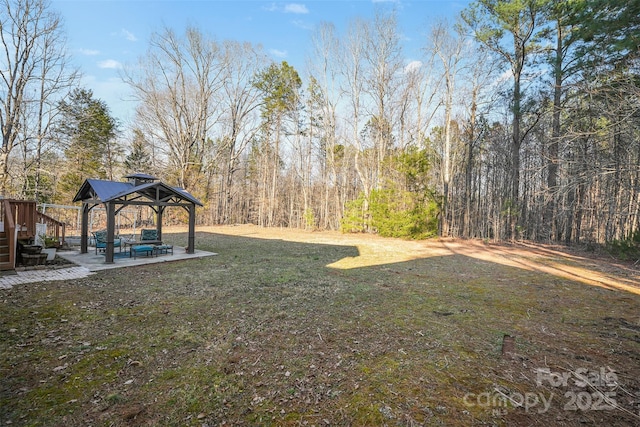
[105, 35]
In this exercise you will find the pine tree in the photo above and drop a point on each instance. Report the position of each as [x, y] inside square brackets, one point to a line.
[138, 159]
[88, 132]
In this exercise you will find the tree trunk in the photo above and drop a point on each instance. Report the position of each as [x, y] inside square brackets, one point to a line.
[469, 167]
[550, 226]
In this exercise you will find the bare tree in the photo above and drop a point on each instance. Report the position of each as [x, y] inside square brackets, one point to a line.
[417, 100]
[352, 86]
[35, 74]
[55, 78]
[383, 60]
[370, 63]
[238, 101]
[477, 92]
[451, 50]
[324, 97]
[179, 77]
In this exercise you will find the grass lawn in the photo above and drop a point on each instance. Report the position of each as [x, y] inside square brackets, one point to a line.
[299, 328]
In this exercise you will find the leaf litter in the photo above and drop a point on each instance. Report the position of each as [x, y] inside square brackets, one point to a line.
[288, 327]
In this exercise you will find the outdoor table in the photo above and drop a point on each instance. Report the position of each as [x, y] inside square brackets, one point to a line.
[133, 242]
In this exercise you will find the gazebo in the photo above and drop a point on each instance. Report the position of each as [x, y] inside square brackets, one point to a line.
[141, 190]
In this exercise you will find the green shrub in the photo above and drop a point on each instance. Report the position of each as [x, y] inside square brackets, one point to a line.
[355, 219]
[401, 214]
[405, 207]
[625, 249]
[392, 213]
[309, 218]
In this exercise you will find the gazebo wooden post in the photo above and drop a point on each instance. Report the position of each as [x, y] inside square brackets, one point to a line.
[84, 233]
[159, 221]
[111, 225]
[192, 229]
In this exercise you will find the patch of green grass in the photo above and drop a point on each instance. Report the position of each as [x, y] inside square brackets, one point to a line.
[115, 399]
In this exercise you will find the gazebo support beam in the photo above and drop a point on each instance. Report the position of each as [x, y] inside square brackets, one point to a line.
[84, 233]
[159, 213]
[191, 246]
[111, 226]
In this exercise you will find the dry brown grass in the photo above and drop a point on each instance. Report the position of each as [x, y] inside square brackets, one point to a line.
[297, 328]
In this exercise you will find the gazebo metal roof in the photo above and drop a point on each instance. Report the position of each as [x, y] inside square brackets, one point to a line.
[101, 191]
[141, 190]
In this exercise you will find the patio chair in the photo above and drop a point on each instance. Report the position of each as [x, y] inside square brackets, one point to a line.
[100, 238]
[149, 235]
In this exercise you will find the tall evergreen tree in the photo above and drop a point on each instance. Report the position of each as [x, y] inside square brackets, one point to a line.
[609, 31]
[280, 85]
[510, 28]
[88, 132]
[138, 159]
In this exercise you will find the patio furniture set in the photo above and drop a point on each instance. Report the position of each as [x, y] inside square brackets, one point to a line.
[147, 245]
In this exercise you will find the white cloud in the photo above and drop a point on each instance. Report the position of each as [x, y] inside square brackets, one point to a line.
[128, 35]
[110, 63]
[302, 24]
[278, 53]
[270, 7]
[505, 76]
[396, 4]
[412, 66]
[89, 52]
[296, 8]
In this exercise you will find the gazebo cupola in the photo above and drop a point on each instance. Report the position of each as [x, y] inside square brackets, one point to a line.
[140, 179]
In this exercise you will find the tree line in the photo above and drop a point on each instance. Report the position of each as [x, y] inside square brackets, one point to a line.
[519, 121]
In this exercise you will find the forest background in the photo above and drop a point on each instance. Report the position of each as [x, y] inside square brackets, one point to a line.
[520, 121]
